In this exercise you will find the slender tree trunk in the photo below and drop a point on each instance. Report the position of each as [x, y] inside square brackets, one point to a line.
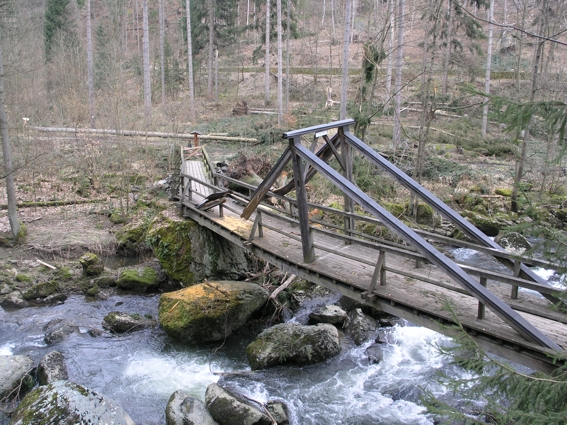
[7, 153]
[447, 58]
[323, 14]
[334, 36]
[137, 25]
[161, 10]
[344, 86]
[287, 75]
[390, 18]
[398, 85]
[267, 64]
[216, 75]
[211, 12]
[146, 60]
[488, 68]
[90, 66]
[247, 17]
[520, 44]
[190, 62]
[280, 60]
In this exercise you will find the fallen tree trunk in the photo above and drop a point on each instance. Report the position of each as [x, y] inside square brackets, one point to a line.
[55, 203]
[141, 133]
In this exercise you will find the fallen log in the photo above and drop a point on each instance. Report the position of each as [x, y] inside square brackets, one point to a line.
[54, 203]
[213, 136]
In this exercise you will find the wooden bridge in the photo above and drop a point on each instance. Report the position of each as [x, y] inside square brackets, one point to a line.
[410, 279]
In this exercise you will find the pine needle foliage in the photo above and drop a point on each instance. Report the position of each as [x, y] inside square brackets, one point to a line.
[495, 392]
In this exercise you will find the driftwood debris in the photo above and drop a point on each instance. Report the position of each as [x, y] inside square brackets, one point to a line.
[280, 288]
[141, 134]
[43, 263]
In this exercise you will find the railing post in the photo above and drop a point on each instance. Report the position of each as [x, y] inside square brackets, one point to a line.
[517, 269]
[481, 306]
[257, 225]
[302, 211]
[346, 152]
[379, 272]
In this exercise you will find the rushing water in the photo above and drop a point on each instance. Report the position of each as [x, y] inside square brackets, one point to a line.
[142, 369]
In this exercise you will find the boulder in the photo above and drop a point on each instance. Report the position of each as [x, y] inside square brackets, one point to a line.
[52, 368]
[513, 242]
[139, 279]
[209, 311]
[360, 326]
[348, 304]
[190, 253]
[15, 378]
[53, 299]
[131, 237]
[486, 225]
[278, 411]
[92, 266]
[57, 330]
[13, 300]
[41, 290]
[64, 402]
[332, 314]
[123, 322]
[5, 289]
[226, 409]
[290, 343]
[184, 409]
[375, 353]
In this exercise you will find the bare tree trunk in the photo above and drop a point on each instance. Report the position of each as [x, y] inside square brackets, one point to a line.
[161, 10]
[190, 62]
[267, 64]
[346, 46]
[447, 58]
[488, 68]
[287, 76]
[7, 153]
[280, 60]
[216, 75]
[90, 66]
[211, 48]
[390, 52]
[521, 44]
[398, 86]
[146, 60]
[334, 36]
[323, 14]
[247, 17]
[137, 25]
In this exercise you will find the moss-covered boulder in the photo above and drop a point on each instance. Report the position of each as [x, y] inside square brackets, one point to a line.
[132, 237]
[66, 402]
[123, 322]
[503, 192]
[139, 279]
[209, 311]
[189, 253]
[41, 290]
[291, 343]
[513, 242]
[486, 225]
[92, 266]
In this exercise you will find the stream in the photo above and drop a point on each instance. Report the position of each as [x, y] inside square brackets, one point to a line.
[141, 370]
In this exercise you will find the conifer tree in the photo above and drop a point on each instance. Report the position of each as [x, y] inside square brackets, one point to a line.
[57, 19]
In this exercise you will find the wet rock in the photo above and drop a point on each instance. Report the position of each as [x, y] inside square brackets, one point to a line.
[41, 290]
[359, 326]
[57, 330]
[123, 322]
[64, 402]
[227, 409]
[52, 368]
[15, 378]
[349, 304]
[375, 353]
[5, 289]
[486, 225]
[13, 300]
[131, 238]
[513, 242]
[332, 314]
[184, 409]
[92, 266]
[139, 279]
[278, 410]
[54, 299]
[209, 311]
[290, 343]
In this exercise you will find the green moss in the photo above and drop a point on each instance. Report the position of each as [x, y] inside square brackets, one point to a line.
[23, 277]
[41, 290]
[65, 273]
[139, 279]
[504, 192]
[93, 291]
[171, 243]
[397, 210]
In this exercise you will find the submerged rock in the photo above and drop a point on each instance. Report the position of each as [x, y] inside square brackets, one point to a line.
[52, 368]
[360, 326]
[15, 378]
[41, 290]
[227, 409]
[209, 311]
[290, 343]
[64, 402]
[332, 314]
[139, 279]
[184, 409]
[122, 322]
[57, 330]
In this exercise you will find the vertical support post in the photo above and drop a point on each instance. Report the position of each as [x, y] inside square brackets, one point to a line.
[257, 225]
[481, 307]
[302, 209]
[379, 272]
[346, 153]
[517, 269]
